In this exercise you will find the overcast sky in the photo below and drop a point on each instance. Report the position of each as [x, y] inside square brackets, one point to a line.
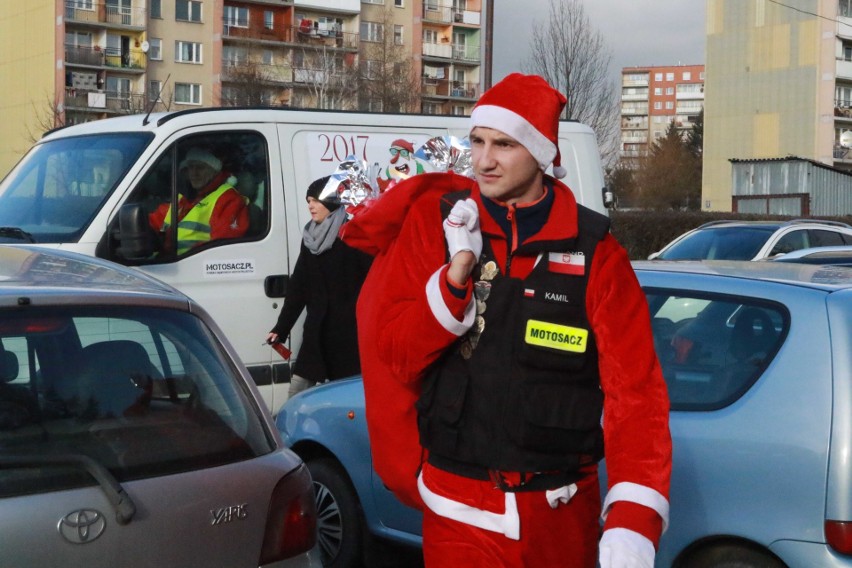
[639, 32]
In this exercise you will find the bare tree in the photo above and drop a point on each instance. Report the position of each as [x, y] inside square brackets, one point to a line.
[573, 57]
[248, 85]
[388, 77]
[331, 77]
[47, 117]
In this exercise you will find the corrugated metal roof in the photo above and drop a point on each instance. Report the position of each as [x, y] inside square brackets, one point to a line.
[788, 159]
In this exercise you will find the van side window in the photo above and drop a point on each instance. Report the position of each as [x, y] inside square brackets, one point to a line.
[206, 190]
[712, 349]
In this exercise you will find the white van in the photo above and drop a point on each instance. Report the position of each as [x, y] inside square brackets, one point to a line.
[89, 188]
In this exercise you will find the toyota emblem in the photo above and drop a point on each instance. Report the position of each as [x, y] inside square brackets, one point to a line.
[82, 526]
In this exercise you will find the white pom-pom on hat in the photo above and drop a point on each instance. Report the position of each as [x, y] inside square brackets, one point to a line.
[526, 108]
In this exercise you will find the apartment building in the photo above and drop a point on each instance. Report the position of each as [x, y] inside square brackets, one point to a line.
[654, 97]
[779, 84]
[82, 60]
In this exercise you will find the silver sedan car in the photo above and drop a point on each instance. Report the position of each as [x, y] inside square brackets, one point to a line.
[130, 435]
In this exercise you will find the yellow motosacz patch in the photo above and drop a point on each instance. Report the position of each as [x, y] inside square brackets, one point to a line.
[556, 336]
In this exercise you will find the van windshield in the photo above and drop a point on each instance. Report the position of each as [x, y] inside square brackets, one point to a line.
[56, 190]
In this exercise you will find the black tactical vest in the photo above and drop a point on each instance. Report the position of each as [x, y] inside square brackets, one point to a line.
[524, 394]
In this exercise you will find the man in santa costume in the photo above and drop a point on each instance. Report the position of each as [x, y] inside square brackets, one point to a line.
[505, 342]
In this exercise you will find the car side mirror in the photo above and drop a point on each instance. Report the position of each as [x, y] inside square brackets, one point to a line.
[135, 237]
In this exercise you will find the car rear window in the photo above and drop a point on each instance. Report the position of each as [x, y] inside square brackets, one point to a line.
[712, 348]
[143, 391]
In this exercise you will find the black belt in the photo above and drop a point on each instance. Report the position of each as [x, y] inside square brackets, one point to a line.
[509, 482]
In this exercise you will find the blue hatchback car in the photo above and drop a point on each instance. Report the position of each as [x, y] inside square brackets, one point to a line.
[758, 362]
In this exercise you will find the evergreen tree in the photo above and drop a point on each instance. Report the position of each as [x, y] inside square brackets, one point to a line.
[670, 177]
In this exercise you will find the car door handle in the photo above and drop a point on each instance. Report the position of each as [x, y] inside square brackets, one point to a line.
[275, 286]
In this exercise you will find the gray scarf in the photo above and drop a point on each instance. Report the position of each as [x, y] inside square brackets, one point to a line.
[318, 237]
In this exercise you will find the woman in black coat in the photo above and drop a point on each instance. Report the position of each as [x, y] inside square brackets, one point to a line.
[326, 281]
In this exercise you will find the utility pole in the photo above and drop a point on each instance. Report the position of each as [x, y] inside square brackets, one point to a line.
[489, 42]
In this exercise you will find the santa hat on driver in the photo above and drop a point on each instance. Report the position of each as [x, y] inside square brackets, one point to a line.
[526, 108]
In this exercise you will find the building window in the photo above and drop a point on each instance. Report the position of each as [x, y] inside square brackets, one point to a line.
[188, 10]
[78, 39]
[687, 76]
[843, 96]
[845, 8]
[267, 58]
[399, 3]
[658, 91]
[430, 36]
[80, 4]
[156, 9]
[236, 16]
[669, 105]
[458, 110]
[187, 52]
[234, 56]
[658, 105]
[658, 76]
[155, 49]
[372, 31]
[155, 89]
[398, 37]
[669, 90]
[188, 93]
[669, 76]
[431, 108]
[268, 19]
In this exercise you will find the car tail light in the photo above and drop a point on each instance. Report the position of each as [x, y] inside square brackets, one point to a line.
[291, 524]
[839, 536]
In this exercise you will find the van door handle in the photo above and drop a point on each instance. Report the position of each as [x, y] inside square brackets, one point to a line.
[275, 285]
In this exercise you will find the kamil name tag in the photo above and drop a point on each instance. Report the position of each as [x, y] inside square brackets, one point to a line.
[556, 336]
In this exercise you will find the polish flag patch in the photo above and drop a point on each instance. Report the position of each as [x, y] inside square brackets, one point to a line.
[573, 263]
[529, 293]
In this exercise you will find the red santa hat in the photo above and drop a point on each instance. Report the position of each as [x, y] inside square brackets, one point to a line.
[526, 108]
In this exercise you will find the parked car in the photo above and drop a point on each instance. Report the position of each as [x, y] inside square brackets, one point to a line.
[753, 240]
[757, 361]
[130, 433]
[838, 256]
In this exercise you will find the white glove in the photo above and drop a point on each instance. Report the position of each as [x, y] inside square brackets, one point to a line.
[623, 548]
[461, 227]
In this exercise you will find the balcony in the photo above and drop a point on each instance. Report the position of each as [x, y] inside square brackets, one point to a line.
[104, 101]
[843, 69]
[634, 109]
[465, 53]
[843, 110]
[304, 36]
[628, 124]
[634, 138]
[635, 97]
[91, 56]
[241, 70]
[434, 12]
[100, 13]
[443, 50]
[446, 89]
[105, 57]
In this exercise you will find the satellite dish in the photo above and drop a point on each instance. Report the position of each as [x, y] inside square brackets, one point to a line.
[146, 46]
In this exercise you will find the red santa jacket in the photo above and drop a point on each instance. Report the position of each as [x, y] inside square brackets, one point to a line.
[407, 317]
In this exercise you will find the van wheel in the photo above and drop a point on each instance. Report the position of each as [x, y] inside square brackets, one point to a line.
[732, 556]
[339, 524]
